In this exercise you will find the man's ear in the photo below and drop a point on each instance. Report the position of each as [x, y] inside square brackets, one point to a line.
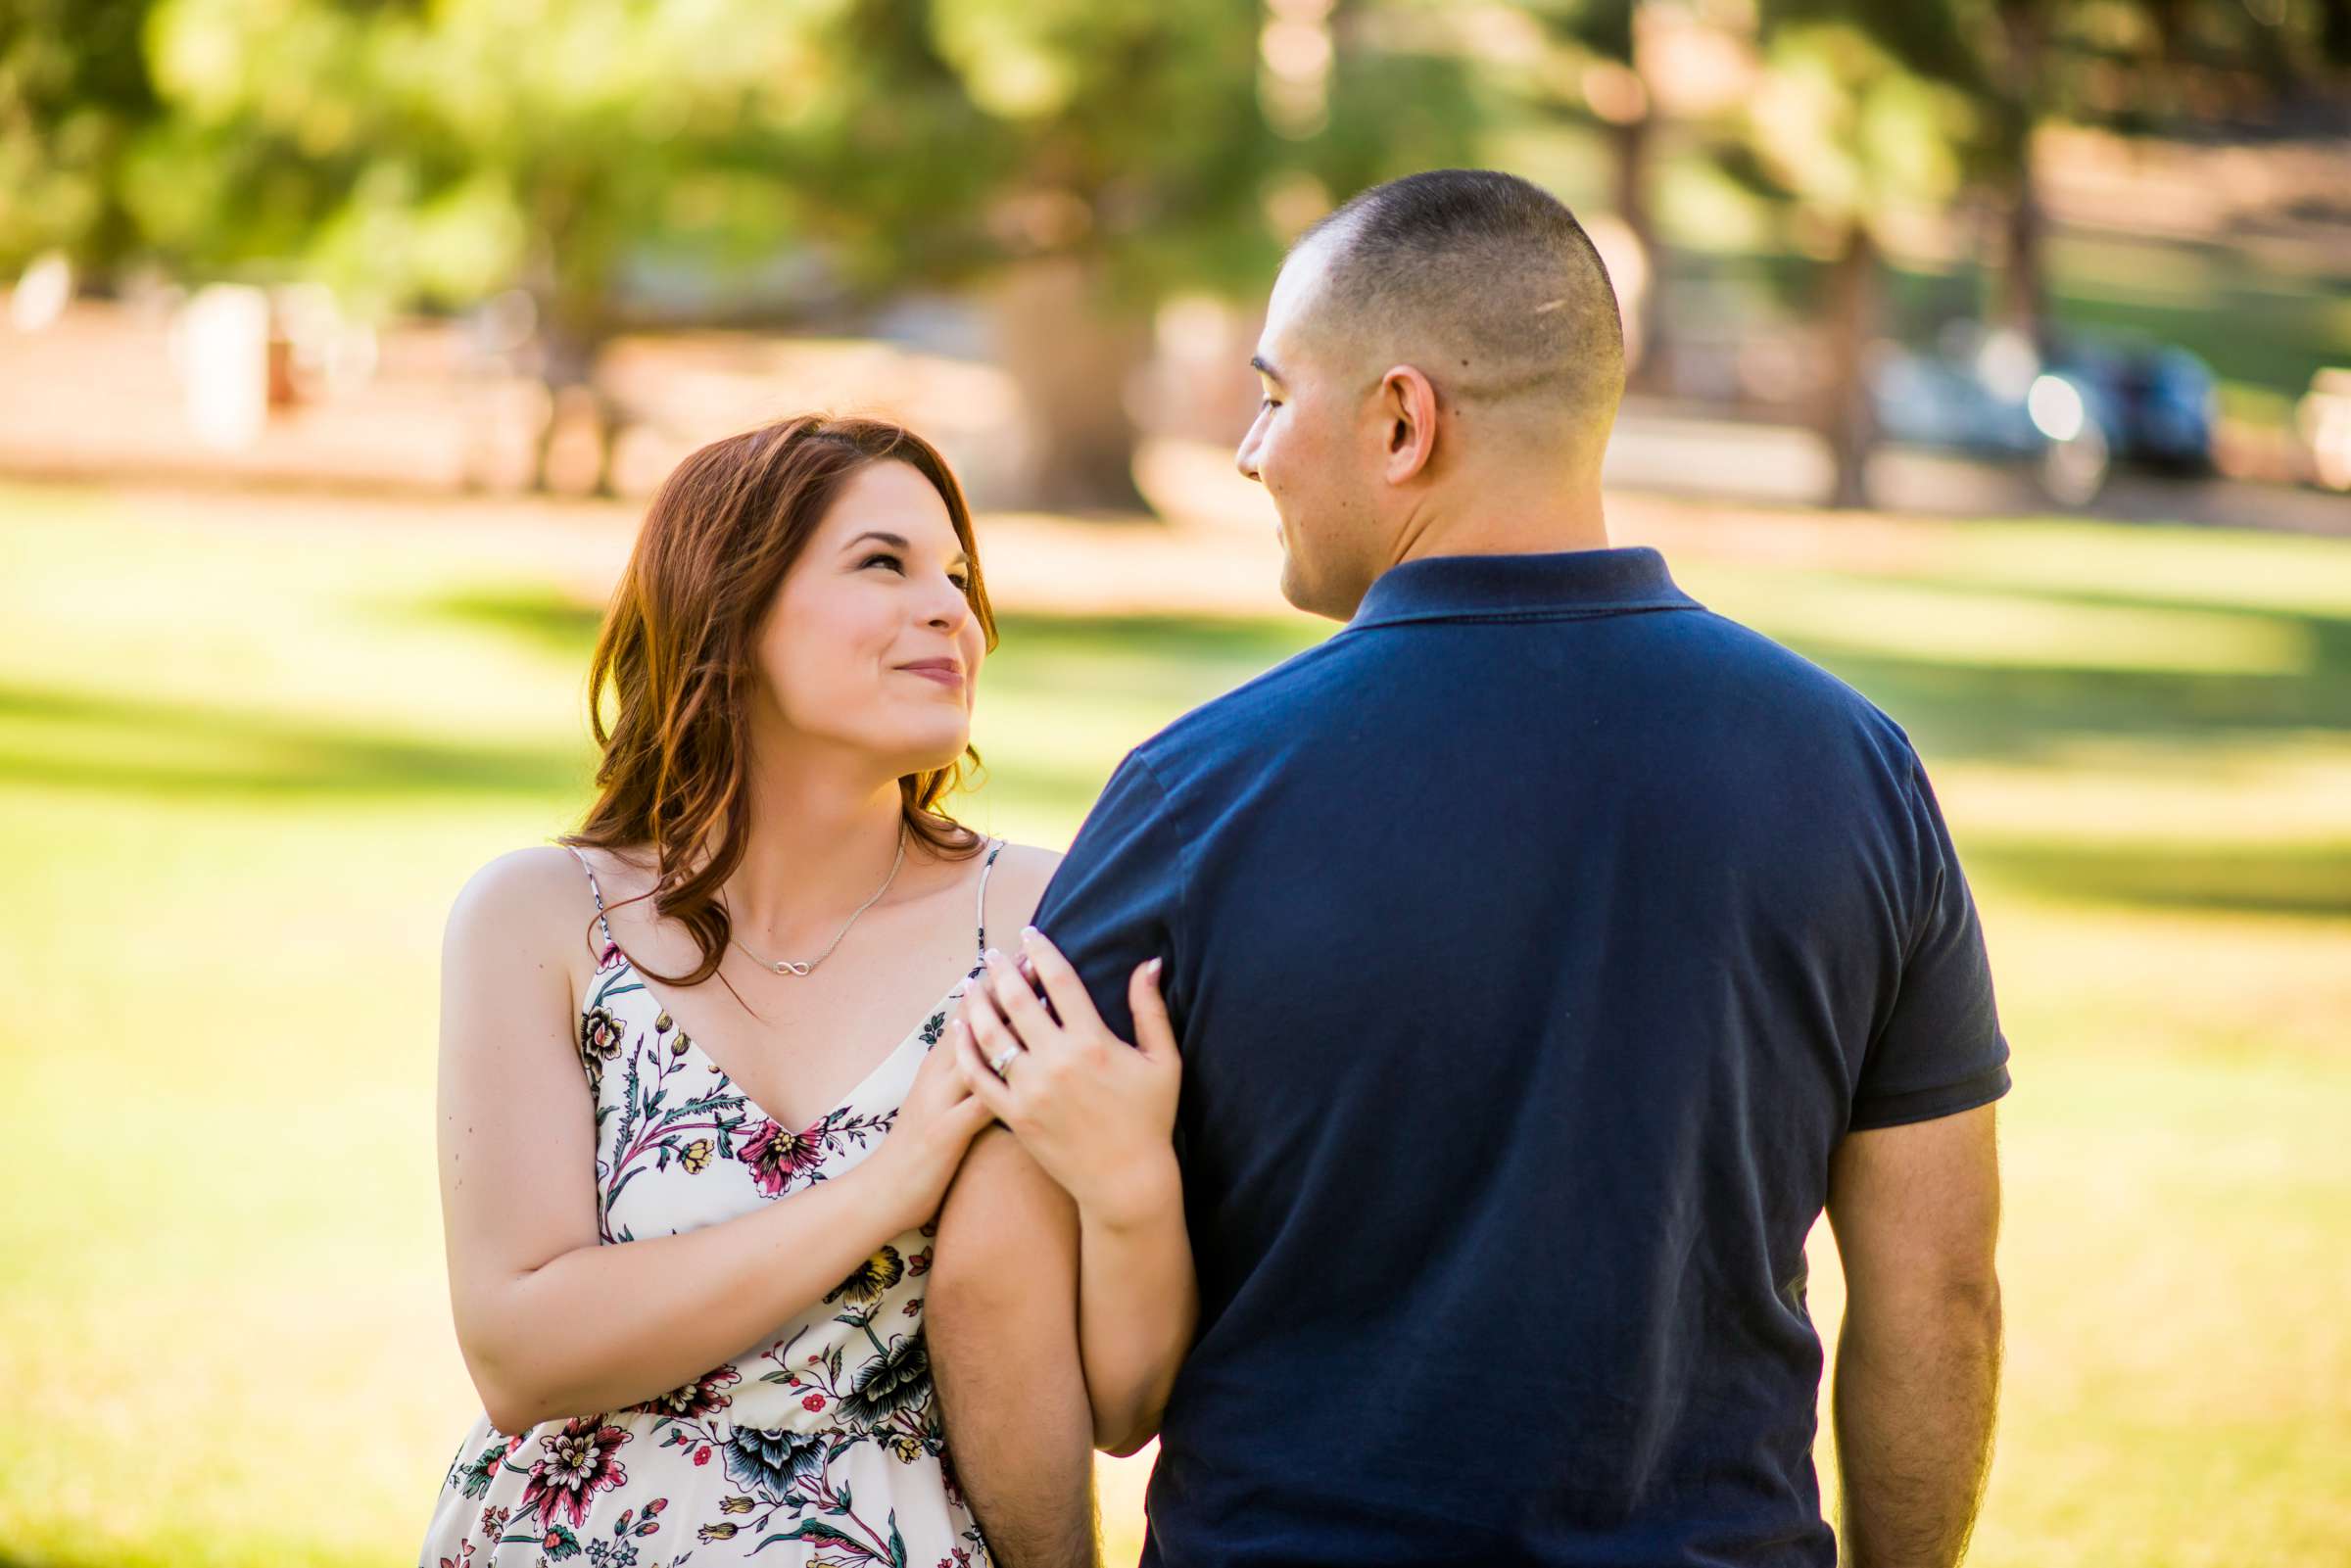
[1407, 409]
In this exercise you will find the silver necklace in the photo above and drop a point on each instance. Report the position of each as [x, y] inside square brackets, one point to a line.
[785, 966]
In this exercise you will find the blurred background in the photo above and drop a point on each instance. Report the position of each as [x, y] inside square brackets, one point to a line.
[1996, 353]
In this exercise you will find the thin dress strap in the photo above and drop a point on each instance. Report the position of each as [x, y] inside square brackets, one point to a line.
[996, 848]
[595, 892]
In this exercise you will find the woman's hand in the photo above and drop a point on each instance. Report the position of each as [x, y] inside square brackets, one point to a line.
[1097, 1114]
[936, 1122]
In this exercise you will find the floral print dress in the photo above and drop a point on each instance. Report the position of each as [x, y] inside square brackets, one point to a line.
[817, 1448]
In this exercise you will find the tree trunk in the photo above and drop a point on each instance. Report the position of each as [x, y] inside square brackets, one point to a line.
[2023, 291]
[1850, 320]
[569, 275]
[1634, 145]
[567, 370]
[1073, 350]
[2023, 295]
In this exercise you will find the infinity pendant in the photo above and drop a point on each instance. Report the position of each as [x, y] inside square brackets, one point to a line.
[786, 967]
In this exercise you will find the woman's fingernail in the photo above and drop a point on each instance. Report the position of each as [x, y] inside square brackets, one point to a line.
[1154, 965]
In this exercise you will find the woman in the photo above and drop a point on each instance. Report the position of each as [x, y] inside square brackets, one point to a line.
[690, 1163]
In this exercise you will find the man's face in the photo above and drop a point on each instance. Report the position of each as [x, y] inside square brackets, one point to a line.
[1312, 448]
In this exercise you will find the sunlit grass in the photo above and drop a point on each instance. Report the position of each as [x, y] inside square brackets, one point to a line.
[1970, 626]
[248, 771]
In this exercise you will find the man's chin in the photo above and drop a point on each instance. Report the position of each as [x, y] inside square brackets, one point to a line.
[1303, 593]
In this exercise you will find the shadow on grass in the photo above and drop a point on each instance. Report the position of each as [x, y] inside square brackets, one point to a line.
[1956, 710]
[1203, 655]
[2264, 879]
[248, 755]
[2010, 712]
[547, 621]
[244, 754]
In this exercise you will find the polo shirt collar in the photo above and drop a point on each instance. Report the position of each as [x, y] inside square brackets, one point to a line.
[1563, 584]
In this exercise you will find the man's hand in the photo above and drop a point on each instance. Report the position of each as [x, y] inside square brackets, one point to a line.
[1002, 1323]
[1916, 1210]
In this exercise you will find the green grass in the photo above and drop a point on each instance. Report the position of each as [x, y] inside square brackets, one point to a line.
[247, 772]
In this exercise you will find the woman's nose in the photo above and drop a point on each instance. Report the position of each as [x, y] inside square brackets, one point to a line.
[949, 609]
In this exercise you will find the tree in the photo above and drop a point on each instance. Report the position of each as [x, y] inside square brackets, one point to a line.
[2133, 66]
[1612, 91]
[439, 153]
[1860, 127]
[75, 95]
[1867, 109]
[1081, 157]
[1143, 138]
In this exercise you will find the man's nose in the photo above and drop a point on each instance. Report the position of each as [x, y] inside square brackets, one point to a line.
[1244, 457]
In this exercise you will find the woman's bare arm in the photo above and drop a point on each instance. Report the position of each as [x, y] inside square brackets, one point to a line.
[1138, 1302]
[551, 1323]
[1095, 1112]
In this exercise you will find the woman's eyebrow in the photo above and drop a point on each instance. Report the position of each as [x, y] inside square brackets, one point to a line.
[896, 542]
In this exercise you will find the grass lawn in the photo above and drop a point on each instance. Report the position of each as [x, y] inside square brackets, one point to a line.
[247, 766]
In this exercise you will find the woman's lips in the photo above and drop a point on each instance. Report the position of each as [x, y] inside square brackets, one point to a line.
[945, 673]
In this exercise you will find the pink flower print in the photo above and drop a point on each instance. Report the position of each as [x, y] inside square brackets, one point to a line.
[575, 1464]
[776, 1156]
[701, 1396]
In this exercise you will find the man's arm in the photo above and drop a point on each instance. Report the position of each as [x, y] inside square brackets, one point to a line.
[1916, 1212]
[1002, 1324]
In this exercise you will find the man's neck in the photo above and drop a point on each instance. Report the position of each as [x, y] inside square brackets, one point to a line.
[1521, 519]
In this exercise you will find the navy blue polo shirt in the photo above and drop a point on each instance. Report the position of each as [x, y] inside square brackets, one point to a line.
[1532, 941]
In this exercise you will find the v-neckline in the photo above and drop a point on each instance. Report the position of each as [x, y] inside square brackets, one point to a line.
[845, 1100]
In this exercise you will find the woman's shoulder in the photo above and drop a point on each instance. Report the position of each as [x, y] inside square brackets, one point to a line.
[1019, 879]
[529, 895]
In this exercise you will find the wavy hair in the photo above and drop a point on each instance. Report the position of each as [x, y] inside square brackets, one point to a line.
[676, 656]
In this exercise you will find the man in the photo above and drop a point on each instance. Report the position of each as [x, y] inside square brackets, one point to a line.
[1546, 952]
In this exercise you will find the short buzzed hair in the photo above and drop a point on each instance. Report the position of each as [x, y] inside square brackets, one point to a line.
[1490, 271]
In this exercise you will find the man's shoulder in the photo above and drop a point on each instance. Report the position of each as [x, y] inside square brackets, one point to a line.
[1774, 681]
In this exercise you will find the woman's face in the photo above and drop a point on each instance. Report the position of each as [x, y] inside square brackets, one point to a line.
[871, 643]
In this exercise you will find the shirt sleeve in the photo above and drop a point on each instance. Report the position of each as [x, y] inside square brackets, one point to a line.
[1940, 1050]
[1119, 897]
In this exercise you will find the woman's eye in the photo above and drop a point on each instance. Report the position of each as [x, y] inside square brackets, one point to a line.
[892, 561]
[963, 585]
[1266, 402]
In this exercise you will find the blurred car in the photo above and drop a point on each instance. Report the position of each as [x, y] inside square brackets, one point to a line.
[2073, 414]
